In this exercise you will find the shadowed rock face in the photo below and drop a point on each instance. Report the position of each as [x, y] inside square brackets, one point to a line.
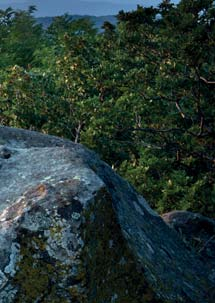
[197, 232]
[71, 230]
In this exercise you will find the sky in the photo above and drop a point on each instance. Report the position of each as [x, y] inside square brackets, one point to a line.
[80, 7]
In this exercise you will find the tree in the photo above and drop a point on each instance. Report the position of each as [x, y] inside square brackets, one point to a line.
[23, 37]
[140, 94]
[6, 17]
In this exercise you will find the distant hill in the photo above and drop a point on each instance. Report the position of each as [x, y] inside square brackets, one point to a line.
[98, 21]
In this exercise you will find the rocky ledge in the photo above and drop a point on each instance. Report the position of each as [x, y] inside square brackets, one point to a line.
[71, 230]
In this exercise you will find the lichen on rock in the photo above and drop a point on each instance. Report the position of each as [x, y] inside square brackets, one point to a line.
[72, 231]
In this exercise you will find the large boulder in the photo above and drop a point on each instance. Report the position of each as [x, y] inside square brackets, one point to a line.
[71, 230]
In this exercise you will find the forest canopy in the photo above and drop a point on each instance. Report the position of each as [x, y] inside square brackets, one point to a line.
[141, 93]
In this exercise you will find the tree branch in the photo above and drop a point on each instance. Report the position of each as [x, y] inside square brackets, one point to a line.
[206, 81]
[154, 130]
[180, 110]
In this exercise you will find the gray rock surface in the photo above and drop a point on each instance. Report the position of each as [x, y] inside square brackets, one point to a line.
[197, 232]
[71, 230]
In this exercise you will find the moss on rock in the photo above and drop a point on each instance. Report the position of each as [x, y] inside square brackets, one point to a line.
[112, 273]
[34, 276]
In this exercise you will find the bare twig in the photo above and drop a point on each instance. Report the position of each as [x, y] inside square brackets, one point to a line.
[78, 131]
[206, 81]
[180, 110]
[154, 130]
[201, 127]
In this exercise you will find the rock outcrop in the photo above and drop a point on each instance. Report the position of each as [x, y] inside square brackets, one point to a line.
[71, 230]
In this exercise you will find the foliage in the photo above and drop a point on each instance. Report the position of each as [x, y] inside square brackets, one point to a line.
[20, 36]
[140, 93]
